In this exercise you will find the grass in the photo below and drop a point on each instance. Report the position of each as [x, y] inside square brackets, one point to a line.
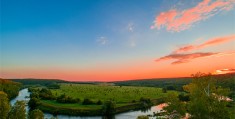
[120, 94]
[126, 98]
[76, 105]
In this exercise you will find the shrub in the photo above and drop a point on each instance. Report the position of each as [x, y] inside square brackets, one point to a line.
[33, 103]
[99, 102]
[87, 101]
[66, 99]
[46, 94]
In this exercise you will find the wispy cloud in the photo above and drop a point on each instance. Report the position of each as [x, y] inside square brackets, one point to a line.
[177, 20]
[132, 35]
[130, 27]
[210, 42]
[224, 71]
[102, 40]
[184, 58]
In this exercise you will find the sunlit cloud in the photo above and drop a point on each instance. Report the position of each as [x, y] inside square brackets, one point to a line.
[224, 71]
[179, 20]
[184, 58]
[102, 40]
[210, 42]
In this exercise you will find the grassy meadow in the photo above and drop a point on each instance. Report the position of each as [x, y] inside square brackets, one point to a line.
[120, 94]
[125, 98]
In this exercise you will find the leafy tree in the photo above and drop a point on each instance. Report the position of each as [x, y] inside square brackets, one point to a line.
[206, 98]
[10, 88]
[34, 94]
[4, 105]
[18, 111]
[175, 108]
[33, 103]
[145, 102]
[46, 94]
[109, 107]
[183, 97]
[36, 114]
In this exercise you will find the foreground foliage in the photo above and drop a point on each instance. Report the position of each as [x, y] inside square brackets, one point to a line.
[4, 105]
[18, 111]
[10, 88]
[36, 114]
[207, 100]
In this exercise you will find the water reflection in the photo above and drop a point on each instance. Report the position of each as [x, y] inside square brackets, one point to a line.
[22, 96]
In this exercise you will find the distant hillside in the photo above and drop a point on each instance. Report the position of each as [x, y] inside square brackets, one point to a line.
[224, 80]
[43, 82]
[168, 83]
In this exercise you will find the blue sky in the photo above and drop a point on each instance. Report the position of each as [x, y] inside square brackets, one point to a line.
[89, 39]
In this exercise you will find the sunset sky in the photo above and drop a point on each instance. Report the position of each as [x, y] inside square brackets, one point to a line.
[107, 40]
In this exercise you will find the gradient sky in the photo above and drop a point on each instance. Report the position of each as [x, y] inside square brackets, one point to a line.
[106, 40]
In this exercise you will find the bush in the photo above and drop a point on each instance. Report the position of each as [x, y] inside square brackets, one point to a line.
[109, 108]
[183, 97]
[46, 94]
[164, 90]
[133, 101]
[145, 102]
[66, 99]
[99, 102]
[34, 103]
[87, 102]
[36, 114]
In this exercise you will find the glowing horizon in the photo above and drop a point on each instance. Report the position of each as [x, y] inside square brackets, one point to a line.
[116, 40]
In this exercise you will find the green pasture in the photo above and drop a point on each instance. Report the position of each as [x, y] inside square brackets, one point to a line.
[120, 94]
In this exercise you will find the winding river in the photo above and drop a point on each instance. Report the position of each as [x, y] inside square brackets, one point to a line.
[24, 95]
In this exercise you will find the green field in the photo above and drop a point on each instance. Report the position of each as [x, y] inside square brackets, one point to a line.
[120, 94]
[125, 97]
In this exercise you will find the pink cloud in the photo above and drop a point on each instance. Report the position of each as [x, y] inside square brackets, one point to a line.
[176, 20]
[184, 58]
[210, 42]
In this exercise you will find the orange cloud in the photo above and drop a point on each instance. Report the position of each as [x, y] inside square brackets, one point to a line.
[224, 71]
[211, 42]
[184, 58]
[176, 20]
